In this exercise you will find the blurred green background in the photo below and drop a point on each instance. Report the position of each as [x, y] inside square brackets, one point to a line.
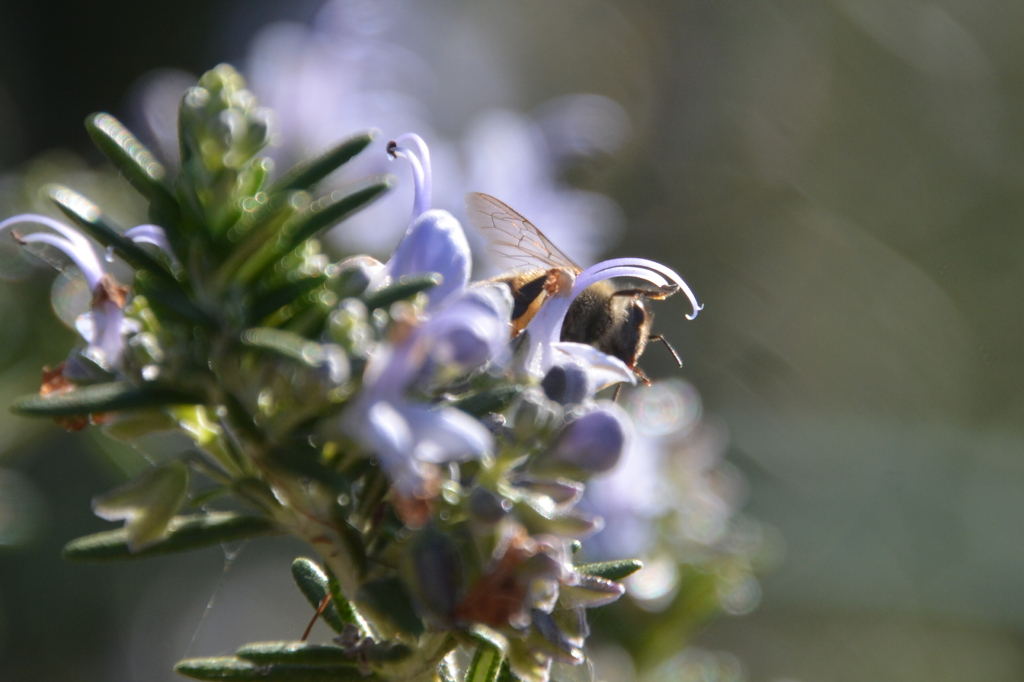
[840, 182]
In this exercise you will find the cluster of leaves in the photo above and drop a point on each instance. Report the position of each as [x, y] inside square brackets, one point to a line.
[249, 340]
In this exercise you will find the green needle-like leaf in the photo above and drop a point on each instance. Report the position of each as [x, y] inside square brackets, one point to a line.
[282, 296]
[171, 299]
[486, 664]
[302, 653]
[346, 610]
[590, 591]
[129, 156]
[231, 668]
[312, 582]
[186, 532]
[611, 570]
[314, 220]
[87, 216]
[296, 653]
[110, 397]
[286, 344]
[404, 287]
[306, 174]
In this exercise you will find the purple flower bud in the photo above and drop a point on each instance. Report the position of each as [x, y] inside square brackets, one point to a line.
[437, 575]
[487, 507]
[567, 383]
[354, 275]
[595, 441]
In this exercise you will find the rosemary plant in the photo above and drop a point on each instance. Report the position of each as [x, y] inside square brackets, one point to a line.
[385, 413]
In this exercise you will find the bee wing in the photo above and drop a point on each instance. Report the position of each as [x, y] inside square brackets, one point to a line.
[513, 242]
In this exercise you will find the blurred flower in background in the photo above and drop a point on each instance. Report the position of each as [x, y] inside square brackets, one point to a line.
[350, 70]
[674, 501]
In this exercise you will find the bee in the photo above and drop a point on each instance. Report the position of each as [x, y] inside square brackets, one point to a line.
[615, 321]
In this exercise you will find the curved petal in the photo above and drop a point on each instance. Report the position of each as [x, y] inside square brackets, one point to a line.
[152, 234]
[604, 370]
[387, 432]
[70, 233]
[640, 268]
[80, 252]
[420, 168]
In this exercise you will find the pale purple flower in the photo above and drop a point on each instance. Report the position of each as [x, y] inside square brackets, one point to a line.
[346, 73]
[469, 331]
[434, 241]
[595, 440]
[509, 155]
[629, 499]
[672, 469]
[327, 82]
[409, 437]
[104, 326]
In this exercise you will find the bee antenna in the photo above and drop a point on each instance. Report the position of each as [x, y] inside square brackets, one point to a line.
[659, 337]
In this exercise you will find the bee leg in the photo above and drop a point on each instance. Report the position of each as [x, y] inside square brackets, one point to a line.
[659, 337]
[653, 294]
[639, 375]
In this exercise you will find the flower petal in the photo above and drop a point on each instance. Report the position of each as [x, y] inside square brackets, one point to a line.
[387, 432]
[421, 170]
[155, 235]
[640, 268]
[434, 242]
[446, 434]
[78, 250]
[604, 370]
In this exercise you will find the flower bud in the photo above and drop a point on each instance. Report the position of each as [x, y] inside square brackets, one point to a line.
[593, 442]
[486, 507]
[437, 574]
[567, 384]
[353, 275]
